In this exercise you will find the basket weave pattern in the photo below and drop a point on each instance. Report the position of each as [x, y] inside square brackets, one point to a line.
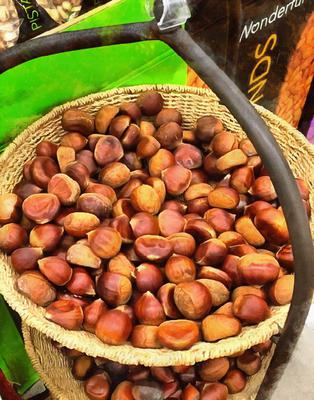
[192, 103]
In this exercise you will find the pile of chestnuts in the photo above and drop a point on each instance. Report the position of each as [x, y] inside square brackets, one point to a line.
[213, 379]
[137, 230]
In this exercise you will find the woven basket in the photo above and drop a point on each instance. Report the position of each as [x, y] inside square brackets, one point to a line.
[192, 103]
[51, 365]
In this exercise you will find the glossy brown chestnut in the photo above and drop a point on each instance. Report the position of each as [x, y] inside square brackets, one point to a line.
[144, 223]
[82, 366]
[95, 203]
[10, 208]
[230, 267]
[223, 142]
[160, 161]
[220, 220]
[231, 238]
[169, 135]
[56, 270]
[166, 297]
[177, 179]
[65, 313]
[225, 309]
[79, 173]
[199, 229]
[235, 380]
[168, 115]
[183, 243]
[119, 126]
[147, 147]
[65, 188]
[190, 393]
[114, 289]
[75, 120]
[174, 205]
[214, 391]
[215, 274]
[78, 224]
[120, 264]
[107, 150]
[92, 313]
[241, 179]
[132, 161]
[42, 169]
[145, 337]
[82, 255]
[150, 103]
[285, 257]
[180, 269]
[188, 156]
[24, 189]
[105, 190]
[211, 252]
[244, 290]
[207, 127]
[123, 206]
[114, 327]
[104, 117]
[148, 277]
[148, 310]
[97, 387]
[210, 166]
[36, 287]
[218, 291]
[65, 156]
[145, 198]
[232, 159]
[131, 109]
[249, 362]
[41, 208]
[74, 140]
[46, 236]
[115, 174]
[105, 242]
[215, 369]
[272, 225]
[81, 283]
[12, 236]
[153, 248]
[223, 197]
[281, 290]
[258, 268]
[251, 309]
[158, 185]
[219, 326]
[192, 299]
[178, 335]
[123, 391]
[245, 226]
[25, 258]
[264, 189]
[170, 222]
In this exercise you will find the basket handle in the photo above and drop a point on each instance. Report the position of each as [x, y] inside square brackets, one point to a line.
[256, 130]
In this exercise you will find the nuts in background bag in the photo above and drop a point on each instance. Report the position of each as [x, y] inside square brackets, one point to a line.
[9, 24]
[62, 10]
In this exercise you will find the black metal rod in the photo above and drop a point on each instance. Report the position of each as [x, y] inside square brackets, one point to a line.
[286, 188]
[76, 40]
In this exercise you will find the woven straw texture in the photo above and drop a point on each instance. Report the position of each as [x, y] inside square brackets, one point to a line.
[192, 103]
[55, 369]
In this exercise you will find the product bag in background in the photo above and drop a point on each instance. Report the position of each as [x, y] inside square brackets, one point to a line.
[265, 46]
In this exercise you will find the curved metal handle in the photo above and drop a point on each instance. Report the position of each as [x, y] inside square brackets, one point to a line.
[252, 124]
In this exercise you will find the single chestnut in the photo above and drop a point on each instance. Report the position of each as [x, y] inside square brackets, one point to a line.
[145, 337]
[75, 120]
[147, 128]
[160, 161]
[147, 147]
[65, 156]
[82, 255]
[144, 223]
[113, 288]
[219, 219]
[115, 174]
[244, 290]
[25, 258]
[223, 197]
[249, 362]
[169, 135]
[241, 179]
[263, 188]
[177, 179]
[174, 205]
[105, 190]
[258, 268]
[170, 222]
[272, 225]
[231, 238]
[150, 102]
[145, 198]
[78, 224]
[180, 269]
[153, 247]
[148, 277]
[56, 270]
[123, 391]
[192, 299]
[132, 161]
[82, 366]
[158, 185]
[131, 109]
[223, 142]
[148, 310]
[104, 117]
[123, 206]
[213, 370]
[79, 173]
[210, 166]
[235, 380]
[214, 391]
[108, 149]
[122, 225]
[303, 188]
[127, 188]
[218, 291]
[241, 250]
[114, 327]
[24, 189]
[86, 157]
[247, 146]
[41, 208]
[199, 229]
[92, 313]
[168, 115]
[12, 236]
[46, 236]
[166, 297]
[10, 208]
[263, 348]
[65, 313]
[225, 309]
[65, 188]
[105, 242]
[97, 387]
[42, 169]
[178, 335]
[188, 156]
[207, 127]
[81, 283]
[36, 287]
[119, 125]
[219, 326]
[215, 274]
[183, 243]
[285, 257]
[190, 393]
[281, 291]
[211, 252]
[245, 226]
[120, 264]
[74, 140]
[230, 267]
[251, 309]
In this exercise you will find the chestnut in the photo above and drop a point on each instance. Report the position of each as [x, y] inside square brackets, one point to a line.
[137, 373]
[150, 102]
[65, 188]
[166, 297]
[199, 229]
[108, 149]
[210, 166]
[168, 115]
[148, 310]
[120, 264]
[207, 127]
[144, 223]
[263, 348]
[114, 288]
[249, 362]
[114, 327]
[78, 224]
[123, 206]
[82, 366]
[281, 291]
[263, 189]
[245, 226]
[231, 238]
[147, 128]
[215, 274]
[12, 236]
[258, 269]
[147, 147]
[303, 188]
[75, 120]
[190, 393]
[153, 248]
[10, 208]
[65, 313]
[127, 189]
[145, 198]
[223, 142]
[115, 174]
[74, 140]
[25, 258]
[46, 236]
[24, 189]
[119, 126]
[105, 242]
[131, 109]
[232, 159]
[285, 257]
[123, 391]
[46, 148]
[170, 222]
[82, 255]
[160, 161]
[272, 225]
[104, 117]
[79, 173]
[180, 269]
[214, 391]
[244, 290]
[158, 185]
[56, 270]
[65, 156]
[145, 337]
[41, 208]
[211, 252]
[169, 135]
[219, 326]
[177, 179]
[247, 147]
[95, 203]
[218, 291]
[230, 267]
[143, 390]
[235, 380]
[97, 387]
[92, 313]
[251, 309]
[220, 220]
[131, 160]
[148, 278]
[178, 335]
[192, 299]
[42, 169]
[215, 369]
[122, 225]
[223, 197]
[188, 156]
[241, 179]
[241, 250]
[174, 205]
[197, 190]
[81, 283]
[225, 309]
[36, 287]
[183, 243]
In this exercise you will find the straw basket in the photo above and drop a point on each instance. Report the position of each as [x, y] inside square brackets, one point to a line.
[192, 103]
[51, 365]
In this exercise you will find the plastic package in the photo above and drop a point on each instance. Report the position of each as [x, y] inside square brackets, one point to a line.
[61, 10]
